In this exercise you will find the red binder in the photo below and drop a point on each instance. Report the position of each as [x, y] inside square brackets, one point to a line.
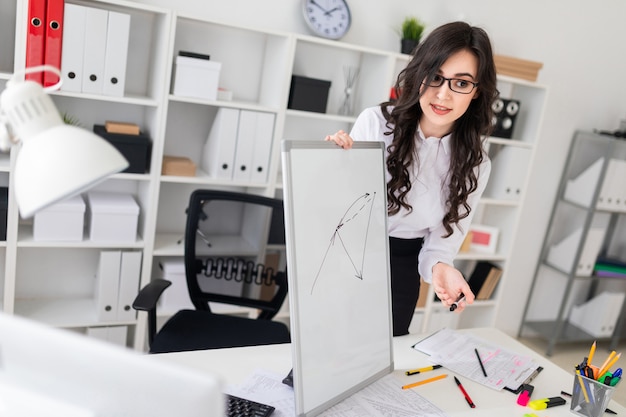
[54, 39]
[35, 39]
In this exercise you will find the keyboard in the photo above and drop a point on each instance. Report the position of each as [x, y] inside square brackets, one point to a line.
[242, 407]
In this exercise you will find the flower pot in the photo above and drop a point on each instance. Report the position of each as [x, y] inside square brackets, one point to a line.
[408, 45]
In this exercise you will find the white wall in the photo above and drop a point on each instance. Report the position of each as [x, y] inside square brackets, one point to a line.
[582, 47]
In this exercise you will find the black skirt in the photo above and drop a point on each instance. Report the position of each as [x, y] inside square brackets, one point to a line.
[405, 281]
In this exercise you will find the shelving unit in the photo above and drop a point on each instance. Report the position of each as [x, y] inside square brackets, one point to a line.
[582, 226]
[53, 282]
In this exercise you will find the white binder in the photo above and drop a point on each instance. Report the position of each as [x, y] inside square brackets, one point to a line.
[262, 147]
[94, 50]
[107, 285]
[580, 190]
[246, 138]
[73, 46]
[130, 271]
[116, 54]
[218, 155]
[508, 173]
[561, 254]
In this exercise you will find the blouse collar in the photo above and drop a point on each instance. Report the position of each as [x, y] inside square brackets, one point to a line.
[444, 141]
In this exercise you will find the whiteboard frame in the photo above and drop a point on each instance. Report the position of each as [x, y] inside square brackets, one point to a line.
[375, 357]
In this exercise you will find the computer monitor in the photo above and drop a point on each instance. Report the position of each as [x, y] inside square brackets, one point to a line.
[100, 379]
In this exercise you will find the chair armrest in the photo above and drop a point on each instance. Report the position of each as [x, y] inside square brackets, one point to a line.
[149, 295]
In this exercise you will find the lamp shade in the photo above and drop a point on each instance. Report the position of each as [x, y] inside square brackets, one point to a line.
[55, 161]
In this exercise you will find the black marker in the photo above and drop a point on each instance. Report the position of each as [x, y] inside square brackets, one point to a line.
[456, 303]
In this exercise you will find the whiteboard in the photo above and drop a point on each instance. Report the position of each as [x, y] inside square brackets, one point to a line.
[338, 269]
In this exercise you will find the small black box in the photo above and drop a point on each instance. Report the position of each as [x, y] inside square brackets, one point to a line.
[135, 148]
[308, 94]
[4, 202]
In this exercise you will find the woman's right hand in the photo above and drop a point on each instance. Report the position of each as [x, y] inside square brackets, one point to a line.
[341, 138]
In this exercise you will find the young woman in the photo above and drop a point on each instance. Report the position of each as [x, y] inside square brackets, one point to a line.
[436, 165]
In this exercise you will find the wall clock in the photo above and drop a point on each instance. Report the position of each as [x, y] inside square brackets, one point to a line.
[327, 18]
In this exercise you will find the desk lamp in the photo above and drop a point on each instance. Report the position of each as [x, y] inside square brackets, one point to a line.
[55, 160]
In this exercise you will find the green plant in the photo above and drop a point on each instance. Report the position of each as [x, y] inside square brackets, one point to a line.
[70, 120]
[412, 28]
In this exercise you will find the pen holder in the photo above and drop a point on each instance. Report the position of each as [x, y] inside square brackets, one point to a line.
[590, 397]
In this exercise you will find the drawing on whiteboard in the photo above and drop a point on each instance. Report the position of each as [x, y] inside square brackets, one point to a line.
[346, 235]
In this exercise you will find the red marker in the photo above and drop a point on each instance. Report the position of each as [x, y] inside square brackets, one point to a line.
[467, 397]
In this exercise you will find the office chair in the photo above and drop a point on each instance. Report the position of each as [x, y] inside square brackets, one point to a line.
[213, 219]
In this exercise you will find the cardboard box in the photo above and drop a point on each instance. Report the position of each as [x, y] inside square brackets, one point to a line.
[63, 221]
[178, 165]
[308, 94]
[518, 68]
[113, 217]
[196, 76]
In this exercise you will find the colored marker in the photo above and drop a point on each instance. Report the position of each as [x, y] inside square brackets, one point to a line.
[482, 367]
[467, 397]
[420, 370]
[426, 381]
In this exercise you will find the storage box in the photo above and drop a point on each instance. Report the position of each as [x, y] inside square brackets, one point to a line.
[178, 165]
[308, 94]
[113, 217]
[135, 148]
[196, 76]
[176, 296]
[62, 221]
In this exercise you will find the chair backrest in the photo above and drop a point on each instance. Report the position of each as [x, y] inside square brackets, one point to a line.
[223, 223]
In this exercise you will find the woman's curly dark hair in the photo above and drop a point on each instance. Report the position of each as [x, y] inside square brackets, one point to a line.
[469, 130]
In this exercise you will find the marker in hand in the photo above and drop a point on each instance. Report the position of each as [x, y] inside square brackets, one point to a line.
[455, 304]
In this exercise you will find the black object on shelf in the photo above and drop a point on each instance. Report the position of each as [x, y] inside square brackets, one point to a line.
[135, 148]
[4, 200]
[308, 94]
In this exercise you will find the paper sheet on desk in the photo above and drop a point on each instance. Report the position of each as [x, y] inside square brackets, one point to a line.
[455, 351]
[384, 397]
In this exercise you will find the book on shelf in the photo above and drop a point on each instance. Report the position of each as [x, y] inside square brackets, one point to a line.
[484, 278]
[610, 267]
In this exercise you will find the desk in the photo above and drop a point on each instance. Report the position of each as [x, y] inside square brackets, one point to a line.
[236, 364]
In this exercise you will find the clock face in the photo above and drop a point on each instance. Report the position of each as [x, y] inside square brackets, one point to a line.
[327, 18]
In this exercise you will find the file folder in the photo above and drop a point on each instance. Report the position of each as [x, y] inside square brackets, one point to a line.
[73, 46]
[35, 38]
[130, 271]
[54, 39]
[262, 147]
[94, 50]
[116, 54]
[218, 155]
[246, 135]
[107, 285]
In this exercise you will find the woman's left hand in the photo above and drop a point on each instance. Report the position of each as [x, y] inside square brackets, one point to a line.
[449, 284]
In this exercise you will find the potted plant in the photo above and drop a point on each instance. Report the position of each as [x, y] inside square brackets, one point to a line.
[411, 33]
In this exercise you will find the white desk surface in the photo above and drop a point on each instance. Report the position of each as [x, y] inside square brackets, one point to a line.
[236, 364]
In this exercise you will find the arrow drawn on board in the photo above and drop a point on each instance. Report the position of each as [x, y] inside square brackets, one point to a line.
[358, 208]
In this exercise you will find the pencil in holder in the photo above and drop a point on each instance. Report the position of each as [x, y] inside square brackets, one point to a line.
[590, 397]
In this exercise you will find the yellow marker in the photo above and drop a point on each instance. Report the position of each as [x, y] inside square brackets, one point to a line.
[420, 370]
[426, 381]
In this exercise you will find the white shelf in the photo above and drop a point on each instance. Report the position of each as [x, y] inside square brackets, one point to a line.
[257, 66]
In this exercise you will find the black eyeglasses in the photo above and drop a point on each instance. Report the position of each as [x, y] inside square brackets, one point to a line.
[458, 85]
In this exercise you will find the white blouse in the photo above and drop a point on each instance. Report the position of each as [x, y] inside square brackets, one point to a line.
[428, 195]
